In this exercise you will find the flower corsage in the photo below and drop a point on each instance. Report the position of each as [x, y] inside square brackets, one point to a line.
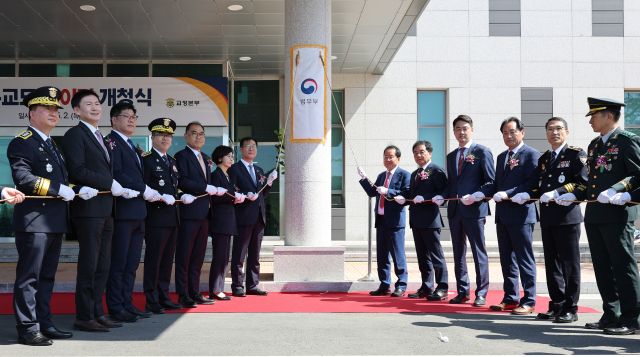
[469, 158]
[424, 175]
[513, 162]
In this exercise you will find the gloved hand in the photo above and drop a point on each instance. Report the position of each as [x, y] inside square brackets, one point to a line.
[468, 199]
[90, 193]
[520, 198]
[478, 195]
[382, 190]
[418, 199]
[211, 190]
[439, 200]
[221, 191]
[548, 196]
[619, 198]
[187, 198]
[67, 193]
[361, 173]
[129, 193]
[156, 197]
[272, 177]
[240, 197]
[168, 199]
[499, 196]
[148, 193]
[401, 200]
[116, 188]
[252, 196]
[563, 199]
[605, 196]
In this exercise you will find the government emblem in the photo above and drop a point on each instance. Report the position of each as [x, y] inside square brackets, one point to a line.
[170, 102]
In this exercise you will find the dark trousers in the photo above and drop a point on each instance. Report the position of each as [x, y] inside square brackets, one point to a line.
[38, 255]
[94, 259]
[562, 266]
[190, 250]
[473, 229]
[616, 271]
[390, 244]
[247, 244]
[220, 245]
[126, 247]
[431, 259]
[515, 243]
[160, 245]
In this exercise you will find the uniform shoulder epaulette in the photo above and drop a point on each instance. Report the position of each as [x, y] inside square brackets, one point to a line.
[544, 153]
[146, 153]
[596, 138]
[628, 134]
[25, 134]
[172, 157]
[576, 148]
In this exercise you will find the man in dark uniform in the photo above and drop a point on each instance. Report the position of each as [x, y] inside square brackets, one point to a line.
[38, 168]
[560, 170]
[163, 217]
[613, 163]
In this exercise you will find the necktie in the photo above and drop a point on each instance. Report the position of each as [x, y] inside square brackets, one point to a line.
[553, 158]
[166, 160]
[134, 150]
[417, 176]
[386, 185]
[101, 141]
[507, 163]
[460, 161]
[204, 171]
[253, 174]
[53, 149]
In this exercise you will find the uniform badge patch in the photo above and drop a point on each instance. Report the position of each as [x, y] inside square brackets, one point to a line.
[49, 168]
[584, 160]
[174, 168]
[26, 134]
[561, 178]
[158, 168]
[564, 164]
[161, 182]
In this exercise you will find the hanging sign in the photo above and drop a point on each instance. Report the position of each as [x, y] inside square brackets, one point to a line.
[309, 83]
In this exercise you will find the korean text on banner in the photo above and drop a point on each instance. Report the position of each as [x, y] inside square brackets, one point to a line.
[309, 110]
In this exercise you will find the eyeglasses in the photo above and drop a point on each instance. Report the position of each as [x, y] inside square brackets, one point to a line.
[196, 134]
[389, 158]
[164, 136]
[129, 117]
[249, 146]
[556, 129]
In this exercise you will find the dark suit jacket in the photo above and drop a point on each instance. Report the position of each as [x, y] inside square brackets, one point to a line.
[426, 214]
[88, 166]
[394, 214]
[223, 214]
[520, 178]
[193, 181]
[247, 211]
[29, 156]
[160, 214]
[477, 176]
[128, 172]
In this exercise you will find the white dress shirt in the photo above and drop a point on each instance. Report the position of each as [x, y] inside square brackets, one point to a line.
[515, 153]
[381, 210]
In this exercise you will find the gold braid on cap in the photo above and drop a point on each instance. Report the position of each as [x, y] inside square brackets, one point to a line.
[596, 109]
[43, 101]
[162, 128]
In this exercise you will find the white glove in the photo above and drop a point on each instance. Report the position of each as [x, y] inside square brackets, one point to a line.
[148, 193]
[563, 199]
[240, 197]
[619, 198]
[418, 199]
[129, 193]
[221, 191]
[499, 196]
[439, 200]
[520, 198]
[548, 196]
[401, 200]
[468, 199]
[116, 188]
[478, 195]
[361, 173]
[90, 193]
[211, 190]
[382, 190]
[187, 198]
[67, 193]
[168, 199]
[605, 196]
[272, 177]
[156, 197]
[252, 196]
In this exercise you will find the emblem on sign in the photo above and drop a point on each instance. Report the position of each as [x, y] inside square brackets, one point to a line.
[161, 182]
[561, 178]
[49, 168]
[53, 92]
[170, 102]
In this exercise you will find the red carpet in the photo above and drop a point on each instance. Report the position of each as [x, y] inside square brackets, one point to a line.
[305, 302]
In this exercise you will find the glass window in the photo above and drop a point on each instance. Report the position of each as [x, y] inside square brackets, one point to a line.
[338, 96]
[337, 150]
[431, 122]
[7, 70]
[632, 110]
[127, 70]
[61, 70]
[6, 210]
[256, 110]
[38, 70]
[187, 70]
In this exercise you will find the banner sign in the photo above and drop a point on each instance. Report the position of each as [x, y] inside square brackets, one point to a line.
[309, 83]
[183, 99]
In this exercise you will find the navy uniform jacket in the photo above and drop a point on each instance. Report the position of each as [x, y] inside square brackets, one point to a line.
[164, 180]
[128, 172]
[426, 214]
[223, 214]
[477, 176]
[29, 157]
[247, 211]
[568, 172]
[193, 181]
[394, 214]
[521, 178]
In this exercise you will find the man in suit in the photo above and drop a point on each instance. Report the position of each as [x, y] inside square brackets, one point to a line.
[516, 174]
[613, 166]
[427, 181]
[390, 221]
[163, 217]
[250, 218]
[38, 168]
[129, 227]
[560, 171]
[89, 162]
[471, 177]
[194, 169]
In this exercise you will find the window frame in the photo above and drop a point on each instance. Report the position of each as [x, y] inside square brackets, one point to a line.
[444, 125]
[339, 192]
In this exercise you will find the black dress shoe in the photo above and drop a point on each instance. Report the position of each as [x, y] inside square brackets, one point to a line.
[600, 325]
[379, 292]
[549, 315]
[140, 314]
[460, 299]
[238, 293]
[480, 301]
[89, 326]
[104, 321]
[397, 293]
[170, 305]
[54, 333]
[257, 291]
[621, 329]
[201, 300]
[566, 318]
[186, 301]
[124, 316]
[420, 294]
[154, 308]
[34, 339]
[438, 295]
[219, 296]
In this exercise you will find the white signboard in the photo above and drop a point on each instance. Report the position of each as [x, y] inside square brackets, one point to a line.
[309, 114]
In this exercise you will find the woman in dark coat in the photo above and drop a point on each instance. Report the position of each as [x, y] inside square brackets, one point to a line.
[223, 221]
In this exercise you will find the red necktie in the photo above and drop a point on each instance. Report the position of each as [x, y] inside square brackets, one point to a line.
[386, 185]
[460, 161]
[418, 175]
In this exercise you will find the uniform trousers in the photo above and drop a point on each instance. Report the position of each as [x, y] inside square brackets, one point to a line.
[515, 243]
[220, 247]
[160, 246]
[247, 244]
[190, 250]
[126, 247]
[431, 259]
[390, 244]
[561, 246]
